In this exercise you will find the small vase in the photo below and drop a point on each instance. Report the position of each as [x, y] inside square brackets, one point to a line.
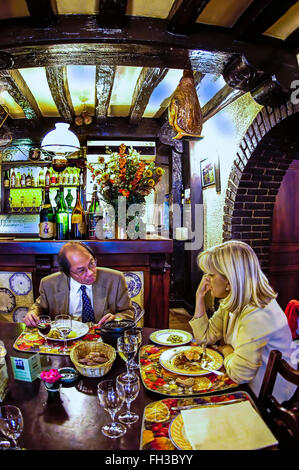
[53, 389]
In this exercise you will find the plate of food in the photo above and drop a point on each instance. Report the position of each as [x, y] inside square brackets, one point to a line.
[79, 329]
[186, 360]
[171, 337]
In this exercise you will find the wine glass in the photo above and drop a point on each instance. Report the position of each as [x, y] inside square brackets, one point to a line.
[112, 402]
[129, 389]
[136, 333]
[127, 348]
[44, 326]
[63, 324]
[11, 423]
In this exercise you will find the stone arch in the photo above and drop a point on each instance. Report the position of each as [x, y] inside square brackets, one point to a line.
[270, 144]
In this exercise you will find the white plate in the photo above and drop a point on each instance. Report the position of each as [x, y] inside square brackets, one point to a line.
[215, 361]
[161, 337]
[80, 328]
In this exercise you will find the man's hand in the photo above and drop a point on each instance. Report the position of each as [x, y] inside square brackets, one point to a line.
[31, 319]
[105, 319]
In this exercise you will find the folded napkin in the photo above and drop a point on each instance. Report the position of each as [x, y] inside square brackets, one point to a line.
[229, 427]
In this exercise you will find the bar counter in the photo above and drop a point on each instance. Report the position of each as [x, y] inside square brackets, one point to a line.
[149, 257]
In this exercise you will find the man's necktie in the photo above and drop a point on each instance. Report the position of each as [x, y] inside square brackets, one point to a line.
[87, 310]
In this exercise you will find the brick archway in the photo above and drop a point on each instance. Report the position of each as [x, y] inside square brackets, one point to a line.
[269, 146]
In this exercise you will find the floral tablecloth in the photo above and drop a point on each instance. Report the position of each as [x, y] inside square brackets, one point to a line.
[157, 379]
[30, 341]
[155, 434]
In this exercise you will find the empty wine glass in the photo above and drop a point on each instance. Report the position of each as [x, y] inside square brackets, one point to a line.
[11, 423]
[129, 388]
[44, 325]
[63, 324]
[127, 347]
[136, 333]
[112, 402]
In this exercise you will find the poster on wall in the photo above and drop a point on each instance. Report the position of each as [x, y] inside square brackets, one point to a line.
[207, 172]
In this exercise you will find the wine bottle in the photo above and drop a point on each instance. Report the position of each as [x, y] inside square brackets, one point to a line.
[6, 181]
[94, 215]
[69, 200]
[18, 180]
[81, 177]
[23, 180]
[47, 226]
[61, 218]
[28, 179]
[41, 178]
[78, 220]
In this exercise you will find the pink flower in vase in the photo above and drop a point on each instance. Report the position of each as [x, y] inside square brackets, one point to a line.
[50, 376]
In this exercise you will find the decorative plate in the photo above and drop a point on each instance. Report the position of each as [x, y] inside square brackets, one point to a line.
[177, 434]
[171, 337]
[7, 300]
[20, 283]
[81, 329]
[137, 308]
[19, 314]
[167, 358]
[134, 284]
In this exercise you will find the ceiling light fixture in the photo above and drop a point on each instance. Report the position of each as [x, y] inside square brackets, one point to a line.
[62, 143]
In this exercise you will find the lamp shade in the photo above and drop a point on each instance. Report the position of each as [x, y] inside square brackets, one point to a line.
[61, 140]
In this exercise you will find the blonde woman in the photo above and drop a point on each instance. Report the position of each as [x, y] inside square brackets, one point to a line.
[249, 321]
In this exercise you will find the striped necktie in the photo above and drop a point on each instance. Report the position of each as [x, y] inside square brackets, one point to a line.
[87, 310]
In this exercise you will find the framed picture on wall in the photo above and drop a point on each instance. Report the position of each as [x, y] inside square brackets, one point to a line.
[207, 172]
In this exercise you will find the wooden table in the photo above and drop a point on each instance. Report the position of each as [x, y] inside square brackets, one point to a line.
[76, 422]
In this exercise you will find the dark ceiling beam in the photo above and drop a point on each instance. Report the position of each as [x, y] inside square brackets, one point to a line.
[41, 13]
[260, 15]
[220, 100]
[58, 84]
[292, 41]
[104, 83]
[77, 39]
[183, 14]
[112, 14]
[147, 81]
[15, 85]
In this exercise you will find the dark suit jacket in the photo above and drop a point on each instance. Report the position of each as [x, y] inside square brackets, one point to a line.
[110, 295]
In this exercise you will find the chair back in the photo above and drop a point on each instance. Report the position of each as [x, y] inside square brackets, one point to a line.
[281, 416]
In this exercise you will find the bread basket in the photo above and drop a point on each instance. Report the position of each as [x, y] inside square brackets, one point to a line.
[82, 349]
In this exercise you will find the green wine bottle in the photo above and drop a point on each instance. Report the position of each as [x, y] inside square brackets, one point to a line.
[47, 228]
[61, 218]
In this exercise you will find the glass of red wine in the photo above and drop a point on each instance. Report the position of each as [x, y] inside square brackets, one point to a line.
[44, 327]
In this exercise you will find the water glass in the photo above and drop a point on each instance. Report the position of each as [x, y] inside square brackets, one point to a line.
[11, 423]
[127, 348]
[136, 333]
[129, 388]
[63, 324]
[112, 402]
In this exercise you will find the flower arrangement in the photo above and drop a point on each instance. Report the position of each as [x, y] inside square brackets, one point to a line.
[50, 376]
[124, 174]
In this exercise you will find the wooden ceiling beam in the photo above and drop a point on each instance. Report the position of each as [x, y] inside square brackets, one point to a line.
[104, 83]
[112, 14]
[58, 84]
[220, 100]
[15, 85]
[41, 13]
[147, 81]
[292, 41]
[260, 15]
[183, 14]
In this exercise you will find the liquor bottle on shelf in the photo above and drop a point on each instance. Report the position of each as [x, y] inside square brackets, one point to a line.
[69, 200]
[78, 220]
[60, 179]
[93, 215]
[57, 198]
[47, 178]
[33, 179]
[47, 226]
[13, 179]
[41, 178]
[75, 176]
[53, 178]
[61, 218]
[28, 179]
[6, 181]
[81, 177]
[18, 180]
[23, 180]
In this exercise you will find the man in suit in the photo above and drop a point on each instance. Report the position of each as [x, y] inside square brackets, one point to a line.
[82, 290]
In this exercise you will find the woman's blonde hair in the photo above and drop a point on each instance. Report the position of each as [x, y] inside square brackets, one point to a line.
[237, 261]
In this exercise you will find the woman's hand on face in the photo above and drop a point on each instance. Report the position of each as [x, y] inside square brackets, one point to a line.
[204, 286]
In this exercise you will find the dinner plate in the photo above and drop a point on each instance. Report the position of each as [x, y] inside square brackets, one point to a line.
[162, 337]
[177, 434]
[214, 360]
[81, 329]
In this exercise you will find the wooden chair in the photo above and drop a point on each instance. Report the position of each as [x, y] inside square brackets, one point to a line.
[281, 417]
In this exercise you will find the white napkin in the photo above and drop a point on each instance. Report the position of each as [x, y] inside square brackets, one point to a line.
[229, 427]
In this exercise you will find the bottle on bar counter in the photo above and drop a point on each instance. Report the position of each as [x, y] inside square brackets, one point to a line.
[94, 215]
[47, 226]
[61, 218]
[78, 220]
[69, 201]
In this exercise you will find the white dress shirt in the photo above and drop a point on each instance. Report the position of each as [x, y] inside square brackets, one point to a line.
[75, 303]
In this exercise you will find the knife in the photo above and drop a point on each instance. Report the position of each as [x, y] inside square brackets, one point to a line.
[188, 407]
